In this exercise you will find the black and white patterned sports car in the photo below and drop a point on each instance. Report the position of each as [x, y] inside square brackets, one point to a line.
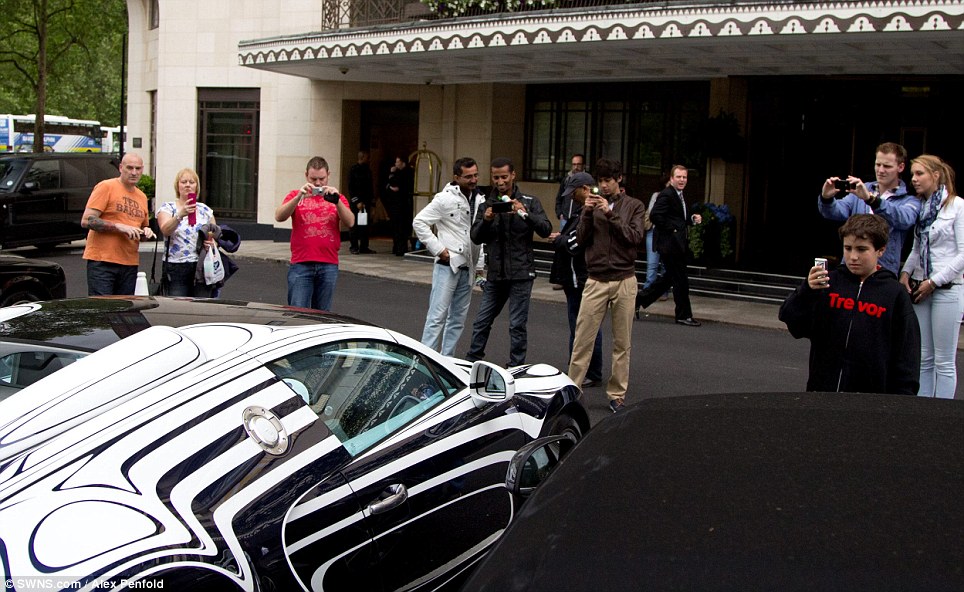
[230, 456]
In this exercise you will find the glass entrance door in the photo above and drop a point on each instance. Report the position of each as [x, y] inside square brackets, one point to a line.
[228, 159]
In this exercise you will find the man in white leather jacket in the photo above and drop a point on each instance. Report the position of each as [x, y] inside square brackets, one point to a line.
[451, 211]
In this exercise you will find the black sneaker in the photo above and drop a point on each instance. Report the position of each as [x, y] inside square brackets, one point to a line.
[353, 251]
[616, 405]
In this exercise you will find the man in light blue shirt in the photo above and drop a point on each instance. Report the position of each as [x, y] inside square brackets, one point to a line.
[841, 198]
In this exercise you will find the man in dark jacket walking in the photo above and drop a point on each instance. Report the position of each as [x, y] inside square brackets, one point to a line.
[864, 335]
[611, 228]
[505, 225]
[671, 221]
[569, 266]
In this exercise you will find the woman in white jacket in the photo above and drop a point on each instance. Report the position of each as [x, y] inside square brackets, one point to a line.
[932, 274]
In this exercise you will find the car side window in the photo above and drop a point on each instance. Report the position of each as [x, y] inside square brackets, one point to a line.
[45, 174]
[75, 172]
[365, 390]
[100, 169]
[10, 171]
[21, 369]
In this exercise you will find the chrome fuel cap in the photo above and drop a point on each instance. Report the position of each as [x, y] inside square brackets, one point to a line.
[265, 429]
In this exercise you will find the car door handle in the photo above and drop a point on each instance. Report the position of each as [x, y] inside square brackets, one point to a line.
[395, 495]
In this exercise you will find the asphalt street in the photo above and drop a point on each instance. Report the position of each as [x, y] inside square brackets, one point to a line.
[667, 359]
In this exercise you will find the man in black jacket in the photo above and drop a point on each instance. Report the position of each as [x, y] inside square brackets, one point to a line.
[569, 267]
[505, 224]
[361, 198]
[670, 222]
[864, 335]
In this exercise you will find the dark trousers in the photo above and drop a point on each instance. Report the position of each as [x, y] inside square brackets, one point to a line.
[494, 296]
[358, 235]
[676, 277]
[573, 299]
[110, 279]
[181, 281]
[400, 212]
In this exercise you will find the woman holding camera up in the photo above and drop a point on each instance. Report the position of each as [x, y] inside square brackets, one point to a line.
[932, 273]
[180, 222]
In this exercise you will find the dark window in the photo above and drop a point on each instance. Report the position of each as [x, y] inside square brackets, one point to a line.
[99, 169]
[10, 171]
[45, 174]
[75, 172]
[648, 127]
[228, 145]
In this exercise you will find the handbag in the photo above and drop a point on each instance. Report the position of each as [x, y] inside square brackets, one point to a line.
[155, 287]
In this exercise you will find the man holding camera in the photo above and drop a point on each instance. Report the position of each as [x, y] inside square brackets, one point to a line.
[841, 198]
[611, 226]
[505, 223]
[318, 212]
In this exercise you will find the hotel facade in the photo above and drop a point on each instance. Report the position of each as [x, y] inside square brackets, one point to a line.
[762, 101]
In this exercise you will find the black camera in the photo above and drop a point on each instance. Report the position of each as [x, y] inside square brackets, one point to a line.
[844, 185]
[329, 195]
[501, 207]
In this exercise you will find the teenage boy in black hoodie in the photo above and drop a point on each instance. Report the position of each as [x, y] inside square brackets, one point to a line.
[863, 332]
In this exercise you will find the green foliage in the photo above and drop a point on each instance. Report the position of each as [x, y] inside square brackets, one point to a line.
[459, 7]
[714, 239]
[147, 185]
[76, 71]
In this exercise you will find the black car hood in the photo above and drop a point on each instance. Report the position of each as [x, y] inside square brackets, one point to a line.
[89, 324]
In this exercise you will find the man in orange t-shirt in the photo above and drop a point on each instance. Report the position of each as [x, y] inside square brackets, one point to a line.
[117, 219]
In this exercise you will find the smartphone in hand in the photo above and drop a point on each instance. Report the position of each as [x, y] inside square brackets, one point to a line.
[192, 216]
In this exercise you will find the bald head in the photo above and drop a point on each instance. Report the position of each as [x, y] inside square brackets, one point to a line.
[131, 169]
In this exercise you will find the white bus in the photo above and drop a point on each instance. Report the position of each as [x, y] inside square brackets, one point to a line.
[61, 134]
[111, 139]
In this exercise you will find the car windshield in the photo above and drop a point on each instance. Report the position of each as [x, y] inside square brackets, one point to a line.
[10, 171]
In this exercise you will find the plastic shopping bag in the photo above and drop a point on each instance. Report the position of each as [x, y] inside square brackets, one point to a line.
[213, 267]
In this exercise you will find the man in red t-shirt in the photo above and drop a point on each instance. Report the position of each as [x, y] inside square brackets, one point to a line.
[318, 213]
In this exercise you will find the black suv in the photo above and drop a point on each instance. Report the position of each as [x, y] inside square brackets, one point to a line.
[43, 196]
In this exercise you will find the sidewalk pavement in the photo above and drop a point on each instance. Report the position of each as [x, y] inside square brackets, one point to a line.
[407, 269]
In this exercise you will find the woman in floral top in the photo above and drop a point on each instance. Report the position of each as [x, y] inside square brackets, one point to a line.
[181, 257]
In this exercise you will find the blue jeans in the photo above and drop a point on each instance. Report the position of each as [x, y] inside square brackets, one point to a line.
[940, 321]
[448, 305]
[494, 296]
[110, 279]
[652, 261]
[312, 285]
[573, 300]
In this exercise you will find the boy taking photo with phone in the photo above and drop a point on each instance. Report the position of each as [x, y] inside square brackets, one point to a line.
[864, 335]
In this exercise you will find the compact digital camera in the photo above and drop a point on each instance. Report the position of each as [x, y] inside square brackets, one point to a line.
[330, 196]
[844, 185]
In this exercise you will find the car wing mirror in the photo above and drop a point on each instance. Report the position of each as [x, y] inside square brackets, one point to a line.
[488, 383]
[533, 463]
[30, 186]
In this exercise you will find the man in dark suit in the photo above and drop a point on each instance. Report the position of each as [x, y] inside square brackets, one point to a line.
[670, 220]
[361, 198]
